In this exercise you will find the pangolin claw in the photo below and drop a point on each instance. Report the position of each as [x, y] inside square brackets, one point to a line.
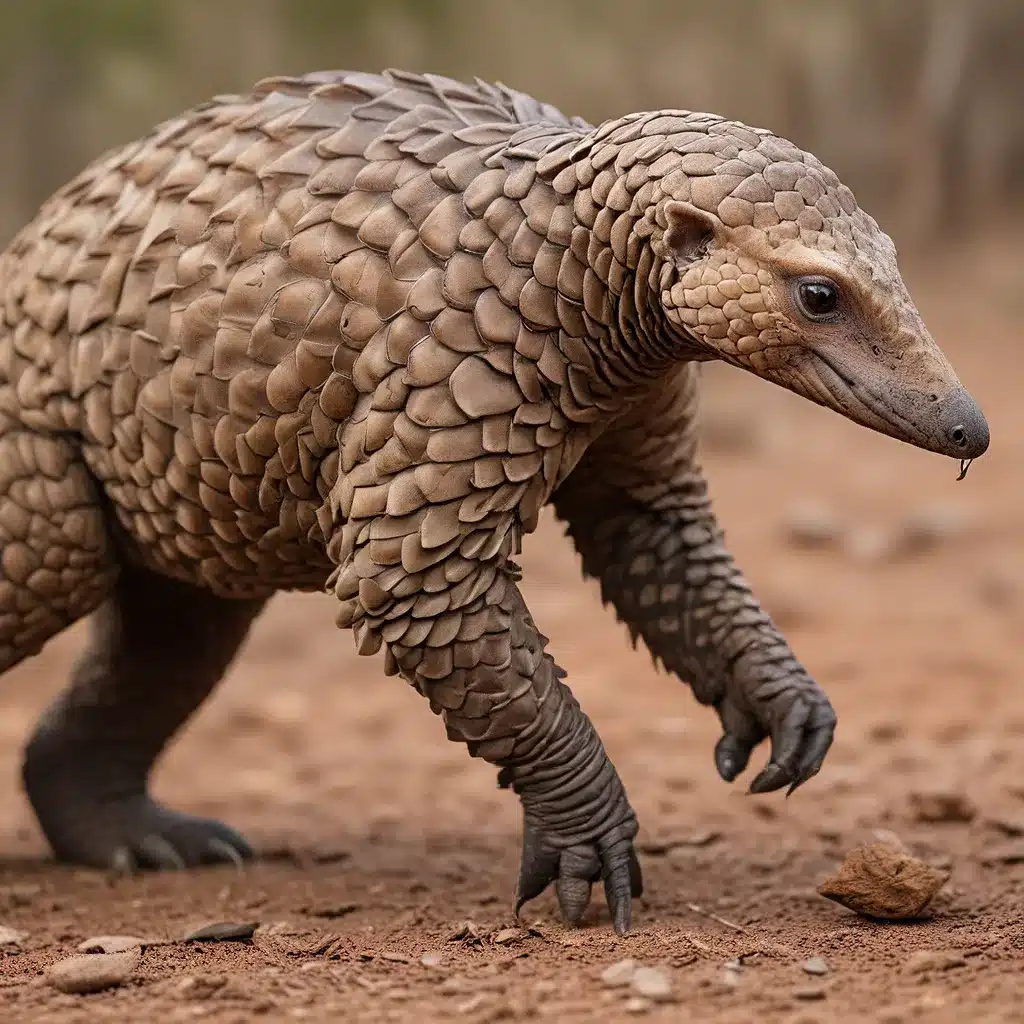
[140, 835]
[800, 739]
[575, 869]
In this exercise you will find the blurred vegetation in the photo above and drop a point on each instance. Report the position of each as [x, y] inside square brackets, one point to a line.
[915, 103]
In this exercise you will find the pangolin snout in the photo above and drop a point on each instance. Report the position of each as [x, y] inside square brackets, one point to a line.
[962, 425]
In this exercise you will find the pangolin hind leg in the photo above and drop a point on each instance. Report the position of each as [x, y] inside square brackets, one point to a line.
[158, 647]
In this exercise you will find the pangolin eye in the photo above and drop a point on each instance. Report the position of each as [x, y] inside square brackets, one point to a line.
[818, 299]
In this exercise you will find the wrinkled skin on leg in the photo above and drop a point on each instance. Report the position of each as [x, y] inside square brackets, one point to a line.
[638, 512]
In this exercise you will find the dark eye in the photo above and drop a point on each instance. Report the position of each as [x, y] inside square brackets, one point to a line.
[818, 299]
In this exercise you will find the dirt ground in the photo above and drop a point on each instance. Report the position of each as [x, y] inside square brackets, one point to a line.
[385, 844]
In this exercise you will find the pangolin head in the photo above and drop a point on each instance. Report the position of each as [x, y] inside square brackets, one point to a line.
[766, 260]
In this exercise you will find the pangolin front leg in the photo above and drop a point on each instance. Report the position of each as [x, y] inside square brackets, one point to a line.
[638, 512]
[441, 596]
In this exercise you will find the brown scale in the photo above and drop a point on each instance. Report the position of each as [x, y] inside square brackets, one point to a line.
[354, 332]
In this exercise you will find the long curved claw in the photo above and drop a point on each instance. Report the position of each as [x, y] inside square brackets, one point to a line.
[136, 834]
[575, 869]
[801, 727]
[538, 868]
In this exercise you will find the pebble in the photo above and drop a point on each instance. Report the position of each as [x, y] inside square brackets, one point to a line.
[223, 931]
[10, 936]
[466, 931]
[395, 958]
[93, 972]
[111, 944]
[637, 1005]
[619, 974]
[882, 880]
[652, 983]
[509, 935]
[942, 806]
[432, 959]
[927, 960]
[815, 966]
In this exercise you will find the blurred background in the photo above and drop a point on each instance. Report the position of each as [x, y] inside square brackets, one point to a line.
[915, 103]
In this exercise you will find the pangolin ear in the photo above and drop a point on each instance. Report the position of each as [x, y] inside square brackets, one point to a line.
[690, 231]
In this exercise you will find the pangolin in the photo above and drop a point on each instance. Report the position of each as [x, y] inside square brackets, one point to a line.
[353, 332]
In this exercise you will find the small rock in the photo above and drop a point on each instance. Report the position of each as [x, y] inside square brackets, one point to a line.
[395, 958]
[466, 931]
[810, 525]
[882, 880]
[652, 983]
[223, 931]
[809, 993]
[507, 936]
[333, 911]
[432, 959]
[924, 961]
[111, 944]
[637, 1005]
[815, 966]
[78, 975]
[10, 936]
[942, 806]
[619, 974]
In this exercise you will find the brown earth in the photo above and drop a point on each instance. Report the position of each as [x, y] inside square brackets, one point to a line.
[386, 838]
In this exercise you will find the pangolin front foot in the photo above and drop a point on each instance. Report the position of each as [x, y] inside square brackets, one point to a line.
[574, 869]
[792, 711]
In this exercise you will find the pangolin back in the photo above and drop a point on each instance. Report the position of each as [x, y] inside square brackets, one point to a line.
[199, 305]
